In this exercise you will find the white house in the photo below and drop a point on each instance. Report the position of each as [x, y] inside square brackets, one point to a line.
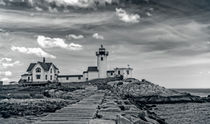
[125, 72]
[41, 72]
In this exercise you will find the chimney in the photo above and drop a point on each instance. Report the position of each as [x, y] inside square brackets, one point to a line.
[43, 59]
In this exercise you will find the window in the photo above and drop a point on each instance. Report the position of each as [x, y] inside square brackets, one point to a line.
[28, 78]
[50, 77]
[102, 58]
[67, 78]
[127, 72]
[38, 69]
[45, 77]
[38, 76]
[118, 72]
[51, 70]
[79, 78]
[111, 73]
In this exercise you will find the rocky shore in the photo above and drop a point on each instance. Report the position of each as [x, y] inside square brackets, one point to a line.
[145, 92]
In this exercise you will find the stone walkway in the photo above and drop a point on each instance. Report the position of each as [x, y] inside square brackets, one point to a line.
[79, 113]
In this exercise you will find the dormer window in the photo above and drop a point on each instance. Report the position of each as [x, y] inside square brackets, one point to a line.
[51, 70]
[127, 72]
[38, 69]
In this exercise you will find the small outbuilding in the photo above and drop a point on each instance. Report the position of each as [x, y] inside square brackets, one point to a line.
[70, 78]
[124, 72]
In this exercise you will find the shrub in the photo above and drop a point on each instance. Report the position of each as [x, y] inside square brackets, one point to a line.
[119, 83]
[20, 96]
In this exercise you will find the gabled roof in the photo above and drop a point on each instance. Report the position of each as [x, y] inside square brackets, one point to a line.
[85, 72]
[45, 66]
[70, 76]
[109, 71]
[31, 67]
[92, 69]
[26, 75]
[123, 69]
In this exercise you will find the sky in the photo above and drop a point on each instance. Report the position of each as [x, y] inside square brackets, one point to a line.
[165, 42]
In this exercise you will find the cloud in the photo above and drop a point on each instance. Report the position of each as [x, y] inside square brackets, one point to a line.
[47, 42]
[5, 73]
[2, 30]
[40, 5]
[5, 79]
[38, 8]
[2, 3]
[76, 37]
[5, 65]
[128, 18]
[148, 14]
[7, 62]
[34, 51]
[6, 59]
[97, 36]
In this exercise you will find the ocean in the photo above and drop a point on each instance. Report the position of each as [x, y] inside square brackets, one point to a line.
[186, 113]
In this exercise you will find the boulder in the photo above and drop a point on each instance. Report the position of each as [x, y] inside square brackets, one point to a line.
[122, 120]
[100, 121]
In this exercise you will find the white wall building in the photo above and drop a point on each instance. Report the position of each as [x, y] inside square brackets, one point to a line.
[125, 72]
[92, 72]
[110, 73]
[41, 72]
[70, 78]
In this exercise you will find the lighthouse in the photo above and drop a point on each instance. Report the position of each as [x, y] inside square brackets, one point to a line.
[102, 55]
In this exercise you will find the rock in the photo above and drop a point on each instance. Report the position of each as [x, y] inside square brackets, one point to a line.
[111, 109]
[136, 88]
[151, 120]
[145, 92]
[100, 121]
[143, 115]
[5, 114]
[141, 122]
[123, 120]
[108, 115]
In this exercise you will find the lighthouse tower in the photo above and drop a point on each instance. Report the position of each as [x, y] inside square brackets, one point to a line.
[102, 62]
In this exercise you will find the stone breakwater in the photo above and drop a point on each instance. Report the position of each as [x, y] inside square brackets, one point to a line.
[80, 113]
[102, 107]
[115, 110]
